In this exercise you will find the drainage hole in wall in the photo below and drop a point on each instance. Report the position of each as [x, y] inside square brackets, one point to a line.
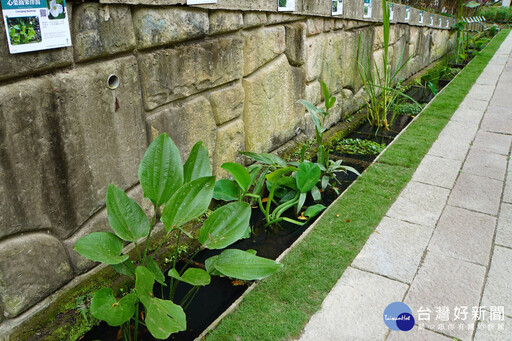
[113, 81]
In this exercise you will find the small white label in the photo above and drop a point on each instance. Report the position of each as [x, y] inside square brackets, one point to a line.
[407, 12]
[391, 11]
[337, 7]
[286, 5]
[367, 9]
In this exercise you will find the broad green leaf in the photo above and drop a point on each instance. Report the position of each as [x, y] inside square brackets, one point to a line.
[325, 182]
[315, 193]
[313, 211]
[197, 164]
[302, 199]
[325, 91]
[225, 225]
[102, 247]
[105, 307]
[313, 112]
[152, 266]
[193, 276]
[472, 4]
[144, 281]
[210, 266]
[125, 268]
[307, 176]
[244, 265]
[278, 173]
[164, 318]
[254, 171]
[226, 190]
[125, 216]
[161, 172]
[189, 202]
[240, 174]
[266, 158]
[288, 181]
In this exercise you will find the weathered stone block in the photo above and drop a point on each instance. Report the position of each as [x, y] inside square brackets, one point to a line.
[31, 267]
[332, 66]
[317, 7]
[278, 18]
[315, 51]
[163, 26]
[296, 43]
[314, 92]
[102, 30]
[328, 25]
[261, 46]
[225, 21]
[186, 123]
[182, 71]
[270, 101]
[14, 65]
[315, 25]
[230, 141]
[227, 103]
[62, 141]
[253, 19]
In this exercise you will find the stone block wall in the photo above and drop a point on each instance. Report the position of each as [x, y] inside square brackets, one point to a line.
[74, 120]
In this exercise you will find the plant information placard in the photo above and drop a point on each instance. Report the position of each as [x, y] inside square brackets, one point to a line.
[337, 7]
[33, 25]
[286, 5]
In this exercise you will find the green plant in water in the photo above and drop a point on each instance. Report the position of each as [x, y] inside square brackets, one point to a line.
[379, 83]
[358, 146]
[328, 167]
[182, 193]
[287, 186]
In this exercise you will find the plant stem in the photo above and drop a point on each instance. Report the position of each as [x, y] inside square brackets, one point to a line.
[153, 224]
[136, 329]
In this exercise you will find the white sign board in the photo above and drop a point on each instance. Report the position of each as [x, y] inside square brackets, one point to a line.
[420, 20]
[286, 5]
[407, 12]
[34, 25]
[337, 7]
[391, 11]
[367, 9]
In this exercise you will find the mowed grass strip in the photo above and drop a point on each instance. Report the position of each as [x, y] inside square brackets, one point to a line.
[279, 306]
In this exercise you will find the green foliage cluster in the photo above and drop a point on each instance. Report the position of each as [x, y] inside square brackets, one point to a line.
[181, 193]
[24, 30]
[493, 14]
[358, 146]
[379, 83]
[409, 109]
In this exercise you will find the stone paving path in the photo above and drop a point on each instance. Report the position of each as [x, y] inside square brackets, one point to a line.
[445, 246]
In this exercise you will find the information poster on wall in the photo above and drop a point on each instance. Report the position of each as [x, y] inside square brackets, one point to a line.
[440, 22]
[337, 7]
[286, 5]
[431, 20]
[391, 11]
[407, 12]
[367, 9]
[34, 25]
[201, 2]
[420, 20]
